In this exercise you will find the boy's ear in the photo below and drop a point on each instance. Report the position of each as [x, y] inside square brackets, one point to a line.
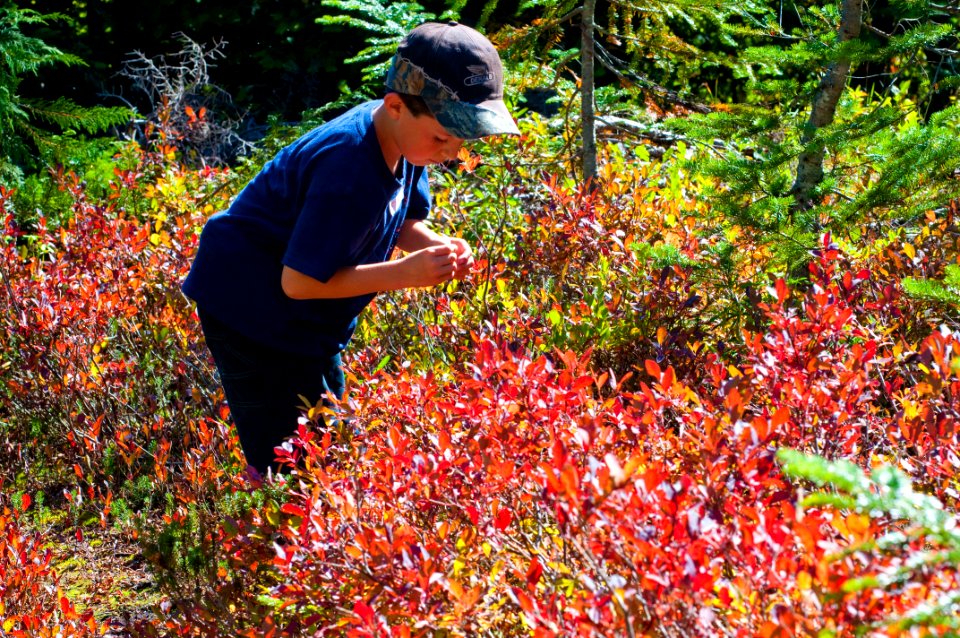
[393, 105]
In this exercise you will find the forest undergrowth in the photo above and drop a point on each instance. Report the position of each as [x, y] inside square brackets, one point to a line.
[635, 418]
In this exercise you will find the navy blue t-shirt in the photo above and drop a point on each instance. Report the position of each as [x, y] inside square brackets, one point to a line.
[325, 202]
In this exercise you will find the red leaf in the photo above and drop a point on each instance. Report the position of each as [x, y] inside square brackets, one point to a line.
[473, 513]
[293, 510]
[781, 416]
[724, 596]
[363, 610]
[502, 520]
[534, 573]
[782, 291]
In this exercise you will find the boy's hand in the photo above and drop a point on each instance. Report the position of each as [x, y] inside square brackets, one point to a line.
[430, 266]
[464, 257]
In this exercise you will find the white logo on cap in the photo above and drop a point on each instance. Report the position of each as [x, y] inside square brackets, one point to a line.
[480, 75]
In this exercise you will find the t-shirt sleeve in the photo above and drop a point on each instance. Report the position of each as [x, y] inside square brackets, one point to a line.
[420, 200]
[332, 226]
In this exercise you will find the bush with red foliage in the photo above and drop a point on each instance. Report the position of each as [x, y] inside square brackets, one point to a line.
[593, 452]
[101, 352]
[31, 603]
[521, 495]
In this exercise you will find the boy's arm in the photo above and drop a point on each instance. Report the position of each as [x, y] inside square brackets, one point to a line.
[426, 267]
[416, 235]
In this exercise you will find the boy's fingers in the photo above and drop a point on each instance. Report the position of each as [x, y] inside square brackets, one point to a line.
[442, 250]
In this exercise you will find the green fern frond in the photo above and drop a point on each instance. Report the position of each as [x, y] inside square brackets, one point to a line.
[21, 54]
[25, 123]
[67, 115]
[925, 538]
[945, 291]
[385, 23]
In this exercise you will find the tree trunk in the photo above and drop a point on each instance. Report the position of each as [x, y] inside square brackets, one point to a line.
[810, 165]
[586, 92]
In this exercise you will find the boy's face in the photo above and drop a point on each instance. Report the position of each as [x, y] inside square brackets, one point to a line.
[422, 140]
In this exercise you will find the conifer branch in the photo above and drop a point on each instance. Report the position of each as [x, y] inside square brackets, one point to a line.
[623, 73]
[953, 9]
[569, 16]
[947, 53]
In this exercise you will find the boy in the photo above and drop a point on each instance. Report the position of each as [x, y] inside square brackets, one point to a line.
[281, 276]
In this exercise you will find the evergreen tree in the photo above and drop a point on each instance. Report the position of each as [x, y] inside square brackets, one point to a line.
[28, 125]
[651, 50]
[851, 119]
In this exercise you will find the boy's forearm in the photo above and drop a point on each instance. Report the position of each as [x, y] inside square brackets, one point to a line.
[427, 267]
[416, 235]
[352, 281]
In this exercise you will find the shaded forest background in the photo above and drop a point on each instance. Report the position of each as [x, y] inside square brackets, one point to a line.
[277, 59]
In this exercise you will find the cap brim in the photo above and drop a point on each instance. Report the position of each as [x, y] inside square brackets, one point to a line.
[472, 121]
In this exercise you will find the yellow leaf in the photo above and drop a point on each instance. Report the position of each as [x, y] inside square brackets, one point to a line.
[858, 523]
[804, 581]
[909, 250]
[495, 570]
[272, 513]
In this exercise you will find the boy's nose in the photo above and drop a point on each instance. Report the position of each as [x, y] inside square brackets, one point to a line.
[453, 149]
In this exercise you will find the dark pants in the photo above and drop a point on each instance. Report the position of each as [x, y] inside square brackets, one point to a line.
[263, 388]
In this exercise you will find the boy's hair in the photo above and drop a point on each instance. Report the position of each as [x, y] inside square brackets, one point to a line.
[415, 104]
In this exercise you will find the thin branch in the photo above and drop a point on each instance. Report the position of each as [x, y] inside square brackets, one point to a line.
[947, 53]
[953, 9]
[620, 69]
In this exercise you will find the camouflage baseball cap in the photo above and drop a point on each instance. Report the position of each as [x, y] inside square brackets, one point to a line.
[458, 73]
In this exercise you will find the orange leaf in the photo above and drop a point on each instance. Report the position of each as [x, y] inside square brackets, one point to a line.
[780, 417]
[652, 368]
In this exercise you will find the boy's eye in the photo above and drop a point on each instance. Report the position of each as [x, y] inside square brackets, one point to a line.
[440, 140]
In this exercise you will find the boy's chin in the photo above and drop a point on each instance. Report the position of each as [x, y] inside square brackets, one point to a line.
[450, 164]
